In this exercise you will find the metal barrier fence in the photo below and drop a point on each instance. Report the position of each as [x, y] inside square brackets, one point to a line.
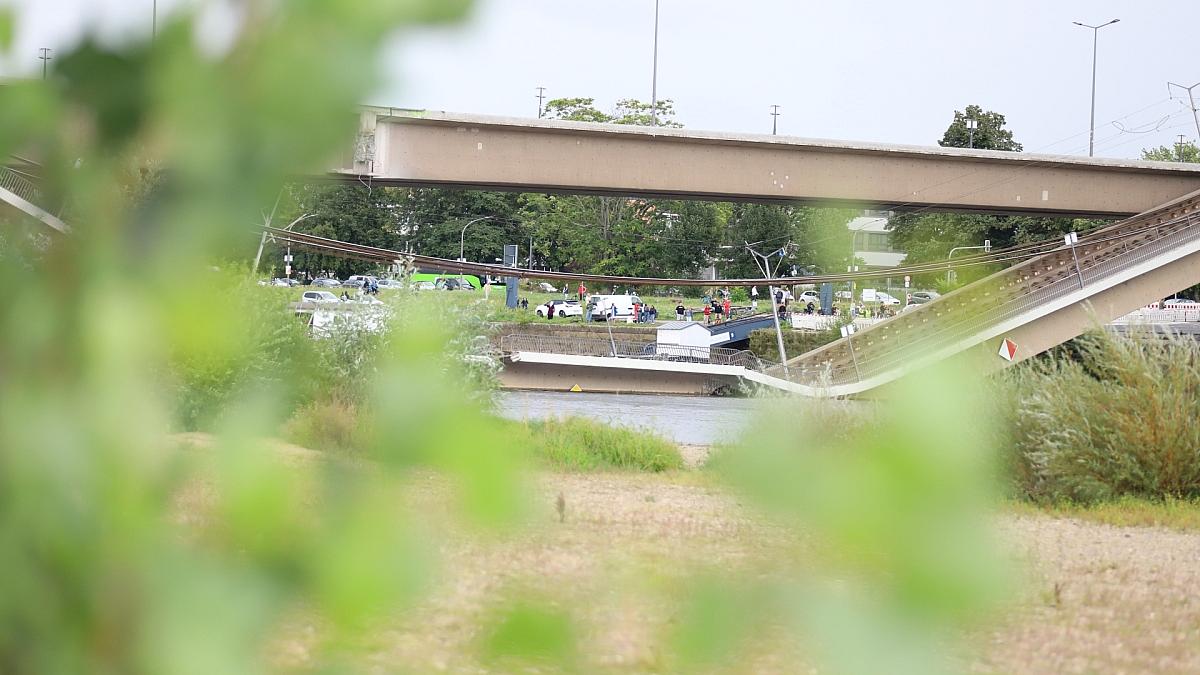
[588, 346]
[20, 186]
[958, 316]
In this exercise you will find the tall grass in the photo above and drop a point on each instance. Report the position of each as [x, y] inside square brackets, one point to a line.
[1119, 419]
[578, 444]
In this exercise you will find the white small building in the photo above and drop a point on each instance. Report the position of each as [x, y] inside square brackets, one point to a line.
[690, 336]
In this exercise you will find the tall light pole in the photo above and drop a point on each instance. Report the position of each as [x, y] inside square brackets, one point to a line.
[1095, 40]
[45, 57]
[154, 21]
[774, 119]
[462, 240]
[654, 77]
[541, 97]
[972, 125]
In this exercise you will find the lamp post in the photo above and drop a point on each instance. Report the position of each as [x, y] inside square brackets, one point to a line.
[972, 124]
[1095, 40]
[654, 76]
[462, 241]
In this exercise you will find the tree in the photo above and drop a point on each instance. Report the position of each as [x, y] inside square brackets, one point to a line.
[629, 111]
[1182, 152]
[990, 133]
[929, 237]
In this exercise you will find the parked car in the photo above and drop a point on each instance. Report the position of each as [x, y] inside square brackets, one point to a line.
[886, 298]
[561, 308]
[362, 279]
[810, 296]
[318, 296]
[424, 286]
[390, 284]
[353, 283]
[922, 297]
[326, 283]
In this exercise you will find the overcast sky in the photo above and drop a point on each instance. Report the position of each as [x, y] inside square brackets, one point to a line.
[873, 70]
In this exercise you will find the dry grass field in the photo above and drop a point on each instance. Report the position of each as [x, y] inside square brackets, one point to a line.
[614, 550]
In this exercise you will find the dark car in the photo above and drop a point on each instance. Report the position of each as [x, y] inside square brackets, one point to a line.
[922, 297]
[326, 283]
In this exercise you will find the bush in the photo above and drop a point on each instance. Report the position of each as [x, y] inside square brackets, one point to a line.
[332, 425]
[584, 445]
[1119, 420]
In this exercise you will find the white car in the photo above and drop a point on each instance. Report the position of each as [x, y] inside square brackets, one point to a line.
[562, 309]
[318, 296]
[810, 296]
[885, 298]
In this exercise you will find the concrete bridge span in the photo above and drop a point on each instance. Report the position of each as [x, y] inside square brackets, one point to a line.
[408, 147]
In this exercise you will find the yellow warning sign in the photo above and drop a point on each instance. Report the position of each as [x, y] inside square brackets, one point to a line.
[576, 389]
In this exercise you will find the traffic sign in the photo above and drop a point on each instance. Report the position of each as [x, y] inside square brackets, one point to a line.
[907, 280]
[1008, 350]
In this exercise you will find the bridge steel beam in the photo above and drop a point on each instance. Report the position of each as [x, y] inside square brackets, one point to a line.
[401, 147]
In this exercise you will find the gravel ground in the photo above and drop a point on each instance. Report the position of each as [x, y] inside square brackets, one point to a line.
[1101, 599]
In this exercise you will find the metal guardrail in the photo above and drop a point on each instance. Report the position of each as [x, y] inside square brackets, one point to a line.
[581, 346]
[20, 186]
[958, 316]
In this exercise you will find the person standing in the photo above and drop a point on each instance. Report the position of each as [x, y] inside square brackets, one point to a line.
[679, 311]
[727, 314]
[582, 291]
[707, 314]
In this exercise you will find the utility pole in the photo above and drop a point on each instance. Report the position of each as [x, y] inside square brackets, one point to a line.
[774, 119]
[654, 77]
[541, 97]
[45, 57]
[1191, 102]
[1095, 40]
[1179, 147]
[972, 125]
[154, 22]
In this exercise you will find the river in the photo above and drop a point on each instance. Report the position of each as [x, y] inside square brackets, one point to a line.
[693, 420]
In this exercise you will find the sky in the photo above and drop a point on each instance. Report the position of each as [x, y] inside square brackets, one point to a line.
[866, 70]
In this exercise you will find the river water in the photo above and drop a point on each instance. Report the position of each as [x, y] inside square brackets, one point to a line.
[694, 420]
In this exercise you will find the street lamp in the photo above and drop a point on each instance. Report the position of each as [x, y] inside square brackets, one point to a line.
[462, 241]
[1095, 40]
[654, 77]
[972, 124]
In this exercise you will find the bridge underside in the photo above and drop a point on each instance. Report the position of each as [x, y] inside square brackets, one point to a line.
[438, 149]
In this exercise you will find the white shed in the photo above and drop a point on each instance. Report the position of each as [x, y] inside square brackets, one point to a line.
[685, 334]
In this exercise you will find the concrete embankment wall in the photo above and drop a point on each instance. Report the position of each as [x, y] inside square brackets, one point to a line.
[620, 331]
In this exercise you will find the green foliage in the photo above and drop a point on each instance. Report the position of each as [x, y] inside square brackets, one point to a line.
[795, 342]
[1182, 152]
[586, 445]
[628, 111]
[103, 573]
[890, 500]
[1117, 421]
[332, 425]
[990, 133]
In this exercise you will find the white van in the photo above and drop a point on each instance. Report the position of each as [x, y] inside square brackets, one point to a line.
[616, 305]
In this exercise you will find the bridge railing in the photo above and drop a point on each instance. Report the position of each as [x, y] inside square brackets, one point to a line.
[589, 346]
[21, 186]
[960, 315]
